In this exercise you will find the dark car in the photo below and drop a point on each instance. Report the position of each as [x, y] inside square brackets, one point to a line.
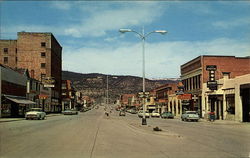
[167, 115]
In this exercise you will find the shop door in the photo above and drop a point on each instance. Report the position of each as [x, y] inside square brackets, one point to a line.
[245, 94]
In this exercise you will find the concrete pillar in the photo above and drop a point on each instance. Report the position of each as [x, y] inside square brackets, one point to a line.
[177, 106]
[63, 106]
[70, 105]
[180, 106]
[168, 106]
[224, 106]
[215, 109]
[238, 104]
[219, 103]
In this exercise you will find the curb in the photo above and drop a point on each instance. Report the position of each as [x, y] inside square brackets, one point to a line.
[21, 119]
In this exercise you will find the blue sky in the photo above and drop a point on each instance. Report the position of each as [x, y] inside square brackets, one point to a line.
[88, 32]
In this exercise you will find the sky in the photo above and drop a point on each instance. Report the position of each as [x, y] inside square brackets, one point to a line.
[89, 33]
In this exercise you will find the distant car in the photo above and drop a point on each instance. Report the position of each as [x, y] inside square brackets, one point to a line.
[155, 114]
[167, 115]
[70, 112]
[140, 114]
[190, 116]
[122, 113]
[133, 111]
[35, 113]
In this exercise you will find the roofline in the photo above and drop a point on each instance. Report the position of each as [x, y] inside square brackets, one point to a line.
[50, 33]
[201, 56]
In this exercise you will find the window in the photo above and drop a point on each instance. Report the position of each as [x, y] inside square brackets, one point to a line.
[16, 59]
[43, 65]
[43, 54]
[43, 44]
[5, 50]
[5, 60]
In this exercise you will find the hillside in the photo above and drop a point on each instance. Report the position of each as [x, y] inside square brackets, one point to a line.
[95, 85]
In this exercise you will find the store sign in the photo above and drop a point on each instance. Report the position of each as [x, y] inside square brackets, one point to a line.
[185, 97]
[144, 95]
[212, 83]
[48, 82]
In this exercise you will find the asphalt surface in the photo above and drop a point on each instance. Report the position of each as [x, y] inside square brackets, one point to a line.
[94, 135]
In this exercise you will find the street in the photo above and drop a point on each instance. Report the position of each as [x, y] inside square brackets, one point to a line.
[95, 135]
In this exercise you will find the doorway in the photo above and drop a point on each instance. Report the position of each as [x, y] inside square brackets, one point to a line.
[245, 95]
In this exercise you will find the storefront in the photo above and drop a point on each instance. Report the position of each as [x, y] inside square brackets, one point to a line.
[15, 106]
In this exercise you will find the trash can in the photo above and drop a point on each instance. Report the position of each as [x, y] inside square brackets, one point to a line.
[211, 116]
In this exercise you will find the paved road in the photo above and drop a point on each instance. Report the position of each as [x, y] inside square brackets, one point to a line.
[93, 135]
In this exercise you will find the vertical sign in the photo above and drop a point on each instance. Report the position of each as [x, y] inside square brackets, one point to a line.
[211, 83]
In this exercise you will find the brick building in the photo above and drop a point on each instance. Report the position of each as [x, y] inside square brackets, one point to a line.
[68, 95]
[41, 54]
[167, 99]
[194, 75]
[8, 53]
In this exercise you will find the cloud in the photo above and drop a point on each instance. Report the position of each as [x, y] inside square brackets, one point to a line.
[232, 23]
[162, 59]
[100, 20]
[62, 5]
[108, 19]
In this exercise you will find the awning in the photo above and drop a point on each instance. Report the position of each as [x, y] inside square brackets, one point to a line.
[19, 100]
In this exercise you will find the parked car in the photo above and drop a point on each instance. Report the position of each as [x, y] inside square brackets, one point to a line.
[190, 116]
[70, 112]
[133, 111]
[35, 113]
[122, 113]
[155, 114]
[140, 114]
[167, 115]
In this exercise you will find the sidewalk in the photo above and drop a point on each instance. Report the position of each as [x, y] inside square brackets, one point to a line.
[20, 119]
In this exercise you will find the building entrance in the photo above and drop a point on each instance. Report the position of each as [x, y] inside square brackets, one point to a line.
[245, 94]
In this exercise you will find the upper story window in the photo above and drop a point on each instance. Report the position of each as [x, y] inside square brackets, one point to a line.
[43, 65]
[5, 50]
[43, 54]
[43, 44]
[5, 60]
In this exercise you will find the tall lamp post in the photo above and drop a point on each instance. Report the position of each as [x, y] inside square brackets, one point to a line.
[143, 37]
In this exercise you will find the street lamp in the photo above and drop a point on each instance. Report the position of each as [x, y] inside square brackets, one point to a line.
[143, 38]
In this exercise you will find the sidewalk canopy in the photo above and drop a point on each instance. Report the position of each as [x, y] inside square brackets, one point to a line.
[19, 100]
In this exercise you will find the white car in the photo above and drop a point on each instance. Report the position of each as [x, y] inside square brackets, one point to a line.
[35, 113]
[140, 114]
[155, 114]
[190, 116]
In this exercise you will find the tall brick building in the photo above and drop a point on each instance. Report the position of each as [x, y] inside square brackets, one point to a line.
[41, 54]
[194, 75]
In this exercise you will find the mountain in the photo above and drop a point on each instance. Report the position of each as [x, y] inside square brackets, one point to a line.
[95, 84]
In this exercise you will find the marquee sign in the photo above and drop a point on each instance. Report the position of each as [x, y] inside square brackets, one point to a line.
[48, 82]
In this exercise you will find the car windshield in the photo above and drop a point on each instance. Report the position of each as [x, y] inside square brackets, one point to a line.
[191, 112]
[36, 109]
